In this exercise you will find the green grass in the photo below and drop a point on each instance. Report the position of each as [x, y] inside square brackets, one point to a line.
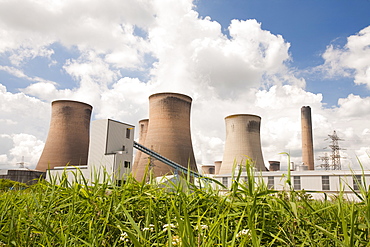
[178, 214]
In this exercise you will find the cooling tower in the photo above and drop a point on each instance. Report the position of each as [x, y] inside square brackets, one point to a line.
[68, 137]
[143, 124]
[242, 142]
[217, 166]
[307, 140]
[274, 166]
[208, 169]
[168, 134]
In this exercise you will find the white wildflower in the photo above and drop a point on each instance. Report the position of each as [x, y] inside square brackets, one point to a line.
[124, 237]
[149, 228]
[176, 240]
[242, 232]
[203, 227]
[168, 226]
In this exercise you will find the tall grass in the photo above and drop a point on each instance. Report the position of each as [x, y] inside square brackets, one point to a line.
[177, 214]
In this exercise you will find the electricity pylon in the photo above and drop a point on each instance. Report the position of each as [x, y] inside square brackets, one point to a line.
[325, 160]
[335, 156]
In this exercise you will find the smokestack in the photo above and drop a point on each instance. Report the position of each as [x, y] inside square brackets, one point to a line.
[242, 142]
[168, 134]
[307, 140]
[68, 137]
[143, 124]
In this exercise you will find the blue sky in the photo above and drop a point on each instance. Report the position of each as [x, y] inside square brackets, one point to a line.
[265, 57]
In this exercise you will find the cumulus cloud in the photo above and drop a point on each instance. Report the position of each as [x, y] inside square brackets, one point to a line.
[127, 100]
[354, 106]
[352, 60]
[193, 53]
[25, 146]
[22, 112]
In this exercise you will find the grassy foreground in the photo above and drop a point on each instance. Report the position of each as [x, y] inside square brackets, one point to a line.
[148, 214]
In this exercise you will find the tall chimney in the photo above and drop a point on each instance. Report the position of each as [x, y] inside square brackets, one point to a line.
[307, 140]
[242, 142]
[168, 134]
[68, 137]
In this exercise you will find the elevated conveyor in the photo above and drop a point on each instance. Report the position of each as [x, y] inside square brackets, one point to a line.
[168, 162]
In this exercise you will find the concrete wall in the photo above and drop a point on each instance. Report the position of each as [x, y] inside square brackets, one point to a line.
[23, 176]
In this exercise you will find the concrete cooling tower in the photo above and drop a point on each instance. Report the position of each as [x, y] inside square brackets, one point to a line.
[242, 142]
[68, 137]
[307, 140]
[217, 166]
[143, 125]
[168, 134]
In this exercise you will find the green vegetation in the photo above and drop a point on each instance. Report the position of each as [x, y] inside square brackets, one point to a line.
[6, 184]
[178, 214]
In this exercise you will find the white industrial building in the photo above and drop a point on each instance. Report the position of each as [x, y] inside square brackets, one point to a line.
[318, 183]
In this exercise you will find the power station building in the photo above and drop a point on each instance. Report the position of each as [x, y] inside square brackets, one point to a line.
[242, 143]
[68, 138]
[168, 133]
[111, 149]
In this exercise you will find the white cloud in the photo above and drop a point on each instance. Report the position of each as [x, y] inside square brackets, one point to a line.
[193, 55]
[354, 106]
[27, 146]
[90, 67]
[44, 90]
[14, 71]
[127, 101]
[23, 121]
[24, 147]
[28, 27]
[352, 60]
[29, 53]
[8, 121]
